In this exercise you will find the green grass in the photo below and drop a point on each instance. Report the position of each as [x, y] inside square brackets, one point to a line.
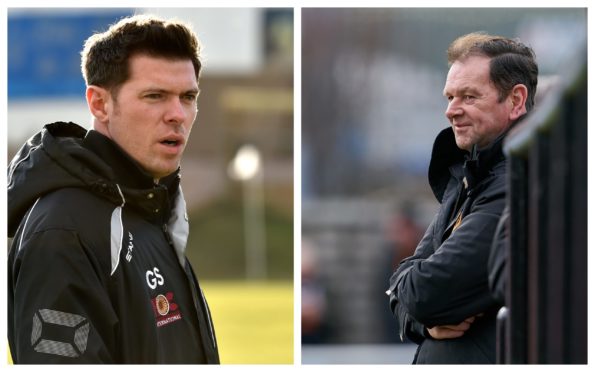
[253, 320]
[216, 246]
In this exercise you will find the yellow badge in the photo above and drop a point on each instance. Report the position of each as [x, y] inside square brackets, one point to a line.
[162, 305]
[458, 222]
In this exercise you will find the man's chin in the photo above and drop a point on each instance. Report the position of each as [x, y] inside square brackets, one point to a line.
[163, 172]
[464, 144]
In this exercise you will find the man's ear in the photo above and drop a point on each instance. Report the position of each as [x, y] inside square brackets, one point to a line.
[518, 98]
[97, 100]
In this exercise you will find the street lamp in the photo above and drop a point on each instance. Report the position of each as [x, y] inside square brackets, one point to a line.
[246, 167]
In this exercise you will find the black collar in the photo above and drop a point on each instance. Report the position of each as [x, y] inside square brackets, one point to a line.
[138, 189]
[448, 158]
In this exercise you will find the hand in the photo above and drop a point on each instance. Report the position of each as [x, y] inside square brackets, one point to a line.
[451, 331]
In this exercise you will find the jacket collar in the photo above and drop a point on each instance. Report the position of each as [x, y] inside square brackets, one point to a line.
[136, 187]
[449, 160]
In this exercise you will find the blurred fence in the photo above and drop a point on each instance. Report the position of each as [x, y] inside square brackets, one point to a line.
[547, 250]
[347, 238]
[347, 257]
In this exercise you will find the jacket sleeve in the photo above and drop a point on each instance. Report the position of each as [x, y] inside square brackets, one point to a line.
[498, 259]
[408, 326]
[451, 284]
[60, 311]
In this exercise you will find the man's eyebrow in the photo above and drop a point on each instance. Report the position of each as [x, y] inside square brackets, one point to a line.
[166, 91]
[154, 89]
[192, 91]
[463, 89]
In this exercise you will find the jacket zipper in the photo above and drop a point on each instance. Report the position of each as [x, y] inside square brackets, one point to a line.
[167, 237]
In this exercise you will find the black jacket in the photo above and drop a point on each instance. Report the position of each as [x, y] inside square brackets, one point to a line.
[96, 269]
[446, 280]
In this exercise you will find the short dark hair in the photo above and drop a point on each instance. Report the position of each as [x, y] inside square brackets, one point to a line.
[512, 62]
[105, 56]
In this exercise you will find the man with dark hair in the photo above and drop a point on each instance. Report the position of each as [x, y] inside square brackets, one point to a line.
[97, 271]
[440, 295]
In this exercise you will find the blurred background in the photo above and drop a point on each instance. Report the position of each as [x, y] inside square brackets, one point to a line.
[238, 166]
[372, 105]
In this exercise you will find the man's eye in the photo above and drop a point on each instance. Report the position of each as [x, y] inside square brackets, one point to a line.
[190, 97]
[468, 98]
[153, 96]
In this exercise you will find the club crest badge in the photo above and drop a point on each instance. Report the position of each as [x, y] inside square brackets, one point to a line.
[165, 309]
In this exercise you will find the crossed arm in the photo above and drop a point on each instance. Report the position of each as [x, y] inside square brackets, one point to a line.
[441, 292]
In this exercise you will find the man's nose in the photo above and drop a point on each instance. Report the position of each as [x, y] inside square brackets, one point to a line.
[454, 109]
[176, 113]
